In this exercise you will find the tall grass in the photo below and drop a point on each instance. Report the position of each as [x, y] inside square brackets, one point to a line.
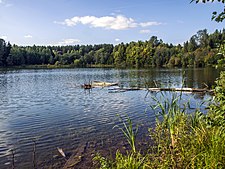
[180, 139]
[129, 132]
[132, 159]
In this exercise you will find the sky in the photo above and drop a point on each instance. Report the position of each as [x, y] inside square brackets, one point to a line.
[71, 22]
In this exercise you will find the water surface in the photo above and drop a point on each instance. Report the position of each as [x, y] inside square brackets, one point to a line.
[50, 107]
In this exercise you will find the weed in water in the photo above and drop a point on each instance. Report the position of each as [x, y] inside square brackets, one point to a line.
[129, 132]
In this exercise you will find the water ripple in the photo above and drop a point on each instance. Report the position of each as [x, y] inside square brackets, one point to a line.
[50, 108]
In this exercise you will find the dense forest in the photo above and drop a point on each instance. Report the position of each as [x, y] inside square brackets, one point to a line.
[201, 50]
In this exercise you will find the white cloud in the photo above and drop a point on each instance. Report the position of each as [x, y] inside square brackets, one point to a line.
[117, 39]
[3, 37]
[66, 42]
[4, 3]
[145, 31]
[28, 36]
[109, 22]
[118, 22]
[146, 24]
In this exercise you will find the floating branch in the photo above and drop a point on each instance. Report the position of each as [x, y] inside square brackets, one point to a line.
[194, 90]
[60, 150]
[103, 84]
[180, 89]
[98, 84]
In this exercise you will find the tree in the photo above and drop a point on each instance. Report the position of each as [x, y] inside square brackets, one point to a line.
[203, 38]
[192, 45]
[2, 53]
[119, 54]
[154, 41]
[218, 17]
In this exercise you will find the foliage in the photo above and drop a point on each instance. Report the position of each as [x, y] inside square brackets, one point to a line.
[201, 50]
[129, 161]
[103, 162]
[221, 55]
[186, 140]
[216, 114]
[218, 17]
[4, 52]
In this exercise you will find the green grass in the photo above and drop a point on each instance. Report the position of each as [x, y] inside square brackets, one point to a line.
[129, 132]
[180, 139]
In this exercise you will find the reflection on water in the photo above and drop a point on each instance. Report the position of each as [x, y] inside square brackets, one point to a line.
[50, 107]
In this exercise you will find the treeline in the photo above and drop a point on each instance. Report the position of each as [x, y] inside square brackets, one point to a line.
[199, 51]
[78, 55]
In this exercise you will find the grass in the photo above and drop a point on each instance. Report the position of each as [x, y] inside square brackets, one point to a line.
[129, 132]
[180, 139]
[129, 161]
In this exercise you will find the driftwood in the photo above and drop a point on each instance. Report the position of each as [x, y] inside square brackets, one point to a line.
[102, 84]
[194, 90]
[98, 84]
[124, 89]
[185, 89]
[60, 150]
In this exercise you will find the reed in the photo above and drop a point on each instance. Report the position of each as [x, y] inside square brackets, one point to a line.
[129, 132]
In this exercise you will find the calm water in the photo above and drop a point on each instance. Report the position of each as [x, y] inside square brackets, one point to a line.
[50, 106]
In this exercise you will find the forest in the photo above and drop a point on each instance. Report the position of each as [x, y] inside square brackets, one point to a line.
[201, 50]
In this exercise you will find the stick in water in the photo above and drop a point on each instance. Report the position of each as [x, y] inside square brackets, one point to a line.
[61, 152]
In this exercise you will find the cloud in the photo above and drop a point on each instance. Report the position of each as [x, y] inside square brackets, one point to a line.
[146, 24]
[117, 39]
[3, 37]
[118, 22]
[4, 3]
[66, 42]
[145, 31]
[28, 36]
[108, 22]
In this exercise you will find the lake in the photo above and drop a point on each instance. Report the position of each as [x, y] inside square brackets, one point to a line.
[50, 107]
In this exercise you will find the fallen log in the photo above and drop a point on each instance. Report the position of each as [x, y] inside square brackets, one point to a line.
[98, 84]
[125, 89]
[185, 89]
[117, 91]
[194, 90]
[103, 84]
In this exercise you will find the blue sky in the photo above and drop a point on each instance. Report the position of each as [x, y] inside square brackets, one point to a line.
[70, 22]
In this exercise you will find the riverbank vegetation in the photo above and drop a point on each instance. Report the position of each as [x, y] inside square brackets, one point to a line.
[201, 50]
[179, 139]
